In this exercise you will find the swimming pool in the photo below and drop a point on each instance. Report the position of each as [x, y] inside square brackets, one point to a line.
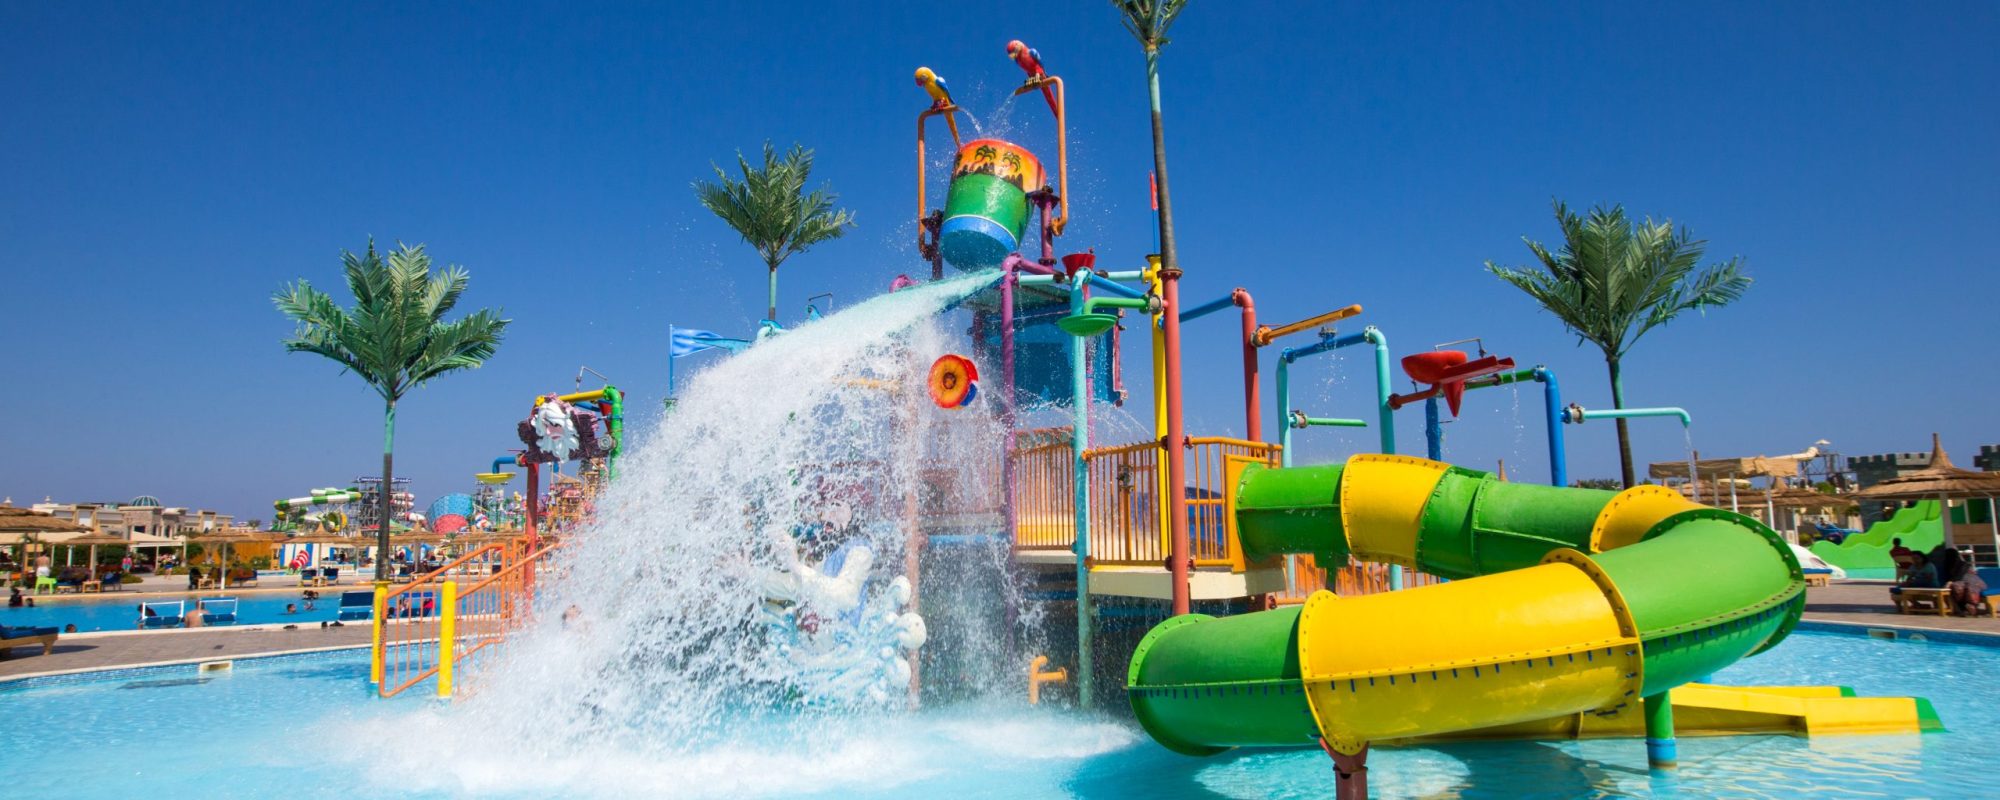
[120, 612]
[307, 728]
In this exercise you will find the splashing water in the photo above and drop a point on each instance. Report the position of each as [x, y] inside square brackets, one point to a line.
[746, 570]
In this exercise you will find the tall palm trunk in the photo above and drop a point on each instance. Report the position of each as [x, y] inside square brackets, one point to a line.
[388, 481]
[772, 314]
[1624, 433]
[1170, 336]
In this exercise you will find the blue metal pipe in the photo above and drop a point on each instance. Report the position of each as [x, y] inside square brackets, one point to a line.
[504, 461]
[1433, 430]
[1552, 400]
[1113, 287]
[1208, 308]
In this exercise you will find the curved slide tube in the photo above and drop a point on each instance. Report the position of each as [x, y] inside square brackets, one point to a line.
[1563, 602]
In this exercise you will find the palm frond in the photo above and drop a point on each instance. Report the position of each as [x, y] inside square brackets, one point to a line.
[1614, 279]
[768, 205]
[395, 336]
[1149, 20]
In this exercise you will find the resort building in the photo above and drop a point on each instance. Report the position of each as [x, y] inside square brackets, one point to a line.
[142, 516]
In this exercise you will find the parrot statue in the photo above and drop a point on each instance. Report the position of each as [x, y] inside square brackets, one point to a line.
[1030, 61]
[934, 85]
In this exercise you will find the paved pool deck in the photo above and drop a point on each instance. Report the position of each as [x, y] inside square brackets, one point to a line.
[1867, 603]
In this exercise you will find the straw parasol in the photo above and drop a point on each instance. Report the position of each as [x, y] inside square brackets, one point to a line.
[227, 537]
[94, 539]
[22, 526]
[1941, 481]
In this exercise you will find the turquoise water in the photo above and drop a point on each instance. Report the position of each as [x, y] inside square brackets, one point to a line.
[121, 612]
[308, 729]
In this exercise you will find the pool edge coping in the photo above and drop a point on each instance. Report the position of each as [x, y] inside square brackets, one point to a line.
[12, 682]
[1901, 632]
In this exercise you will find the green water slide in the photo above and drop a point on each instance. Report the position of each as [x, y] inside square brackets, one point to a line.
[1916, 525]
[1562, 601]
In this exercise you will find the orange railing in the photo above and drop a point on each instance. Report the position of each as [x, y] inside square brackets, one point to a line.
[1353, 580]
[458, 610]
[1125, 508]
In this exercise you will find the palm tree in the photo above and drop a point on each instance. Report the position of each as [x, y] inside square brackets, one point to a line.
[771, 209]
[1615, 279]
[1148, 20]
[394, 337]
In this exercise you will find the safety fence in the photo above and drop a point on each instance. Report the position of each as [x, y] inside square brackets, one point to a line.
[438, 622]
[1353, 580]
[1125, 497]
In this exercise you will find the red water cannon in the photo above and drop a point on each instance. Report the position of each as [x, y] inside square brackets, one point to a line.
[1446, 371]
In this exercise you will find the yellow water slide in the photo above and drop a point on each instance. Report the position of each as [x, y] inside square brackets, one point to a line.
[1569, 612]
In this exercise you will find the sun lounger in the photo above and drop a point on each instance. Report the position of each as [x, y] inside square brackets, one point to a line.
[114, 582]
[309, 577]
[356, 606]
[1911, 599]
[162, 614]
[12, 637]
[1817, 576]
[330, 575]
[218, 610]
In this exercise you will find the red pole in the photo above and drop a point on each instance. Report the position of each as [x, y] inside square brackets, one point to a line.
[1175, 442]
[1253, 421]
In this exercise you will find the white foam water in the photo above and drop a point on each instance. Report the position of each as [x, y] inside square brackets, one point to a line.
[742, 585]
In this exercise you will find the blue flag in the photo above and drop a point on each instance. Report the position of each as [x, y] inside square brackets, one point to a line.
[687, 342]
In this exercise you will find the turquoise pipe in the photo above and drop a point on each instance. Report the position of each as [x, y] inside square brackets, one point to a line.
[1552, 406]
[503, 462]
[1577, 414]
[1300, 420]
[1385, 415]
[1079, 441]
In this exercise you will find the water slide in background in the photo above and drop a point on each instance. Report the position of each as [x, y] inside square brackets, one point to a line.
[1567, 606]
[1916, 525]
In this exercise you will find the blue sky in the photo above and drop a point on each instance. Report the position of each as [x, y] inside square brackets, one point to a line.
[169, 165]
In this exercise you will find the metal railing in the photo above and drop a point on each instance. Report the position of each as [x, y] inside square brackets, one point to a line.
[1125, 507]
[427, 627]
[1353, 580]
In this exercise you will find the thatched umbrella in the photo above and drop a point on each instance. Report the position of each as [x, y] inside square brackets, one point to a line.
[94, 539]
[228, 537]
[23, 526]
[1943, 482]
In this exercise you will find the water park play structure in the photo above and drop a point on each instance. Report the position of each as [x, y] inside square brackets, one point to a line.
[1504, 609]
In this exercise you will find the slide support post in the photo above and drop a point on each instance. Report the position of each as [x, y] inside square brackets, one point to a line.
[1660, 749]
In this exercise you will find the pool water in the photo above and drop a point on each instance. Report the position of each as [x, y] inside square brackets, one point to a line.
[120, 612]
[308, 728]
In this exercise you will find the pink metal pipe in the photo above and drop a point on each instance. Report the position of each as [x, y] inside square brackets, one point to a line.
[1252, 419]
[1175, 442]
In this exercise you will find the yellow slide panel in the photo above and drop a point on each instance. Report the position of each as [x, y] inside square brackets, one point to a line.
[1382, 501]
[1501, 649]
[1707, 710]
[1627, 518]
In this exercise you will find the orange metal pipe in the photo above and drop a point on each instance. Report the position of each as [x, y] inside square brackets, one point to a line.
[1266, 335]
[1057, 104]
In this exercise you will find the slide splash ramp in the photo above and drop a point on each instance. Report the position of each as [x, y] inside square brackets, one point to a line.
[1563, 602]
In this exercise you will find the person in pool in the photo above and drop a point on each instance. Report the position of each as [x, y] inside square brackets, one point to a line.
[15, 600]
[291, 608]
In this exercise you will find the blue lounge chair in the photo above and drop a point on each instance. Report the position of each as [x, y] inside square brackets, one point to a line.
[307, 576]
[217, 610]
[331, 574]
[162, 614]
[356, 606]
[12, 637]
